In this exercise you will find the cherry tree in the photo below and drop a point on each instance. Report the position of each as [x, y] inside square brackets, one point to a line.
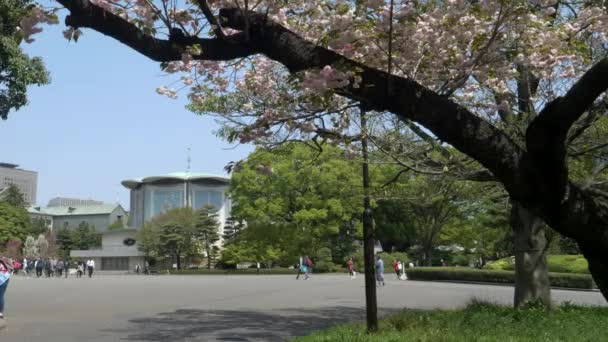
[282, 68]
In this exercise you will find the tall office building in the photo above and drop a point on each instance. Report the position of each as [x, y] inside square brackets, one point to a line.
[26, 181]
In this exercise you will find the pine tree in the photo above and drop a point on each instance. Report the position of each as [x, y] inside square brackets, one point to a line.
[206, 230]
[14, 197]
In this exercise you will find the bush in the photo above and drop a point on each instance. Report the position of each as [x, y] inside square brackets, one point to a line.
[274, 270]
[568, 280]
[389, 257]
[194, 271]
[463, 260]
[557, 263]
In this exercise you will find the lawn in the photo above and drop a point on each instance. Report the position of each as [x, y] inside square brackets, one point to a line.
[480, 322]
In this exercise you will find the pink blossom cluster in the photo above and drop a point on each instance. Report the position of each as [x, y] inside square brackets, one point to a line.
[28, 26]
[470, 50]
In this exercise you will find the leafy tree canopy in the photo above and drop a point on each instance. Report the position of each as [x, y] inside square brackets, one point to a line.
[18, 70]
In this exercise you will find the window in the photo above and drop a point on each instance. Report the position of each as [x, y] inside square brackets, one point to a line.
[115, 264]
[205, 197]
[163, 200]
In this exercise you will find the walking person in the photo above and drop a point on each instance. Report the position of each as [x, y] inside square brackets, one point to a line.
[25, 266]
[91, 267]
[48, 267]
[59, 268]
[308, 263]
[351, 268]
[16, 267]
[379, 270]
[39, 266]
[53, 267]
[79, 269]
[137, 269]
[66, 267]
[5, 274]
[396, 264]
[299, 267]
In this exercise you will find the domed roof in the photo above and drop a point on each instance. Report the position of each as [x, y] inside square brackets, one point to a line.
[175, 176]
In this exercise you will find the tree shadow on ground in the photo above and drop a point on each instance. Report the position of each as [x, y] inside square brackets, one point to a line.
[239, 325]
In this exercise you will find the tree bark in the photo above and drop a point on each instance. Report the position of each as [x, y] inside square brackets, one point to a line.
[531, 269]
[208, 257]
[428, 256]
[179, 261]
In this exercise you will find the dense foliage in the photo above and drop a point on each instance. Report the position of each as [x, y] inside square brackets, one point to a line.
[18, 70]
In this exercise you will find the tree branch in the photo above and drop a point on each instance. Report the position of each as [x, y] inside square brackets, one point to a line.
[546, 137]
[449, 121]
[215, 24]
[85, 14]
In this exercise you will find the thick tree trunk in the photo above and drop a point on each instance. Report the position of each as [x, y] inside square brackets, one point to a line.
[428, 257]
[599, 270]
[531, 269]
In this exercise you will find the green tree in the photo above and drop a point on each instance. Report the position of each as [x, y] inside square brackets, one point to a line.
[18, 70]
[43, 246]
[13, 223]
[206, 230]
[393, 227]
[30, 248]
[85, 237]
[116, 225]
[169, 234]
[14, 197]
[65, 242]
[296, 199]
[37, 226]
[173, 241]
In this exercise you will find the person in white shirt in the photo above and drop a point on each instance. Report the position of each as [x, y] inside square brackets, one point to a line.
[90, 267]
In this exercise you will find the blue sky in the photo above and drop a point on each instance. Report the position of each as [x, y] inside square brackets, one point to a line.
[100, 121]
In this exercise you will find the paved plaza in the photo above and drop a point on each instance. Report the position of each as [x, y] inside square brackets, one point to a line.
[218, 308]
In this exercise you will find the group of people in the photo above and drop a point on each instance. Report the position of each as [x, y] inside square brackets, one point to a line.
[398, 266]
[51, 267]
[146, 268]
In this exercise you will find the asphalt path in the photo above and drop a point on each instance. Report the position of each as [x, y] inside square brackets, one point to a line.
[218, 307]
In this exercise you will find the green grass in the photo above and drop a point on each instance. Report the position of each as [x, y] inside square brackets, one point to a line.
[557, 263]
[480, 322]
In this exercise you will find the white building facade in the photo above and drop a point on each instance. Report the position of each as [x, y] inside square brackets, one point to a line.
[150, 197]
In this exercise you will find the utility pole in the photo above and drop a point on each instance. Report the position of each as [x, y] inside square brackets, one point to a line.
[371, 302]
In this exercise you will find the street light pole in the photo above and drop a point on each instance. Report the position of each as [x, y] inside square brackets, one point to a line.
[371, 302]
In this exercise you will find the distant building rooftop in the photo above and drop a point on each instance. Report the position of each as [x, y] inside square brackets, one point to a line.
[98, 209]
[8, 165]
[73, 202]
[178, 176]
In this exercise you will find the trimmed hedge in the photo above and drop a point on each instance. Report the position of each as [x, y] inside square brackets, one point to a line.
[567, 280]
[219, 271]
[557, 263]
